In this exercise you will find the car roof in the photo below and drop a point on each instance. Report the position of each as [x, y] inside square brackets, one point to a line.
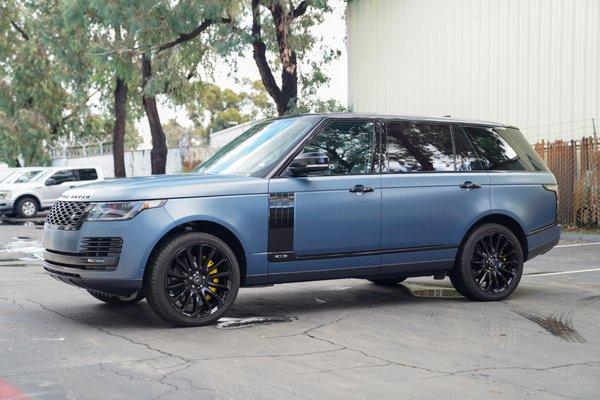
[62, 168]
[423, 118]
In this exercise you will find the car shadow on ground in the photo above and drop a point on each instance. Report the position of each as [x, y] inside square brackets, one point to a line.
[292, 302]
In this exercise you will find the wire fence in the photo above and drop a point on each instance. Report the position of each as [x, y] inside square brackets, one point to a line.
[565, 130]
[576, 165]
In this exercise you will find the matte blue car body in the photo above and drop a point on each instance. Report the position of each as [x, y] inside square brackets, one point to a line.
[410, 224]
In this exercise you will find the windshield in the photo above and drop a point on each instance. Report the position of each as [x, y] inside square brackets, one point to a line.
[256, 151]
[5, 175]
[28, 176]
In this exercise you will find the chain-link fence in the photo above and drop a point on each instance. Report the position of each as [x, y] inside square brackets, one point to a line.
[576, 165]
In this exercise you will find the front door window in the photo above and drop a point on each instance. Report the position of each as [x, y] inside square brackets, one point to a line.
[348, 146]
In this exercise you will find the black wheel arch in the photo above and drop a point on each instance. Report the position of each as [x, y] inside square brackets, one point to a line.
[214, 229]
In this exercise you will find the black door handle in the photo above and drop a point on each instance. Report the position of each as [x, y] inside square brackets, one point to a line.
[361, 189]
[470, 185]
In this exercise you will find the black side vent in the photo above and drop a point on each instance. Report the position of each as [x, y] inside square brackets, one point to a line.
[101, 246]
[281, 225]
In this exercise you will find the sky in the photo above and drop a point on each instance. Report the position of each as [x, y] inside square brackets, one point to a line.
[333, 31]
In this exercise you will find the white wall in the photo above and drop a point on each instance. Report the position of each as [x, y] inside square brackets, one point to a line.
[137, 163]
[531, 63]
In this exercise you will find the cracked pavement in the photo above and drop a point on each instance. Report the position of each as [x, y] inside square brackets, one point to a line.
[343, 339]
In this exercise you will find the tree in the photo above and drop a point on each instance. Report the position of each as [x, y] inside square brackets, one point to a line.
[167, 28]
[109, 30]
[287, 34]
[40, 97]
[213, 108]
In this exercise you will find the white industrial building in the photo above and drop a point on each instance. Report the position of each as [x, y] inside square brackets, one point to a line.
[532, 63]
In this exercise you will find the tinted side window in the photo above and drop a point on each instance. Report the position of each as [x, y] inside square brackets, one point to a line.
[349, 146]
[88, 174]
[466, 158]
[64, 176]
[504, 149]
[417, 147]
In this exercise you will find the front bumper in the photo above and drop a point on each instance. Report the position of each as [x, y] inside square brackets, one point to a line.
[6, 205]
[111, 269]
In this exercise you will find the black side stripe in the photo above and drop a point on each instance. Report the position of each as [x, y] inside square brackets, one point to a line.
[291, 256]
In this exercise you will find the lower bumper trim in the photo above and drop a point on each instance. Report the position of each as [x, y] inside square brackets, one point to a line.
[81, 261]
[112, 286]
[541, 249]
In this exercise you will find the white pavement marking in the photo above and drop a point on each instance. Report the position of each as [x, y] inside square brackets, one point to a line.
[578, 271]
[577, 244]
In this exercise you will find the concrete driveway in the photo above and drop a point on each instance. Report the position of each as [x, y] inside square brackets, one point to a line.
[343, 339]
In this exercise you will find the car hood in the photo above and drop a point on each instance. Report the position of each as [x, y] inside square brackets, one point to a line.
[167, 187]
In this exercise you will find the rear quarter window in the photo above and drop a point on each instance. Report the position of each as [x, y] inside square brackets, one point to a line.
[88, 174]
[504, 149]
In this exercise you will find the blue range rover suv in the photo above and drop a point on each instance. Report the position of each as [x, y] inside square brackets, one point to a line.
[313, 197]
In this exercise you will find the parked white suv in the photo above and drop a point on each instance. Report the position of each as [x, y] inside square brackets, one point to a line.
[26, 197]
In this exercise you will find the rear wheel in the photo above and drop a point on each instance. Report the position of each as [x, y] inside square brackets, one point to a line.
[115, 299]
[26, 207]
[192, 280]
[489, 265]
[388, 281]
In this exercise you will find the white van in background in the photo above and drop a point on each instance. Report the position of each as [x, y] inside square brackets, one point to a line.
[29, 193]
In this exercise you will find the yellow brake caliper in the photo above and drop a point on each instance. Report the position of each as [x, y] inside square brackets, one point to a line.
[215, 280]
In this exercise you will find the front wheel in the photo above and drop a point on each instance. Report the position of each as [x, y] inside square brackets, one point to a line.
[26, 207]
[192, 280]
[489, 265]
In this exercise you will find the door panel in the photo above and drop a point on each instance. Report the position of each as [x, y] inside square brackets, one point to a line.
[328, 218]
[432, 192]
[327, 223]
[431, 212]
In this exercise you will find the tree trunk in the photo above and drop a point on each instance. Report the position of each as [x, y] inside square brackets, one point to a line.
[285, 98]
[158, 155]
[120, 94]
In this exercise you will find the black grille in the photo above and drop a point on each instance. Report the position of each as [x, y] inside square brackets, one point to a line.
[101, 246]
[66, 215]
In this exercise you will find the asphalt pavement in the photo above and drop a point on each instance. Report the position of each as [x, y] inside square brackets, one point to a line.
[341, 339]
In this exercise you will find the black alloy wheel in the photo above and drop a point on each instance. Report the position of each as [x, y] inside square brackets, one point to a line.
[193, 279]
[489, 264]
[494, 263]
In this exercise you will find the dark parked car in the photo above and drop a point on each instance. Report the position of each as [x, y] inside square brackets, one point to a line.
[313, 197]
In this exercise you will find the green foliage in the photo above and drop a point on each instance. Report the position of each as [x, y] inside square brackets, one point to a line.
[59, 61]
[223, 108]
[312, 50]
[178, 135]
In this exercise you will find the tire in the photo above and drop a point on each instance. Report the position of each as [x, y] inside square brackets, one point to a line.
[388, 281]
[489, 264]
[192, 279]
[26, 207]
[114, 299]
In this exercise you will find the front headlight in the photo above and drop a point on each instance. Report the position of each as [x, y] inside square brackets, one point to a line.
[5, 194]
[122, 210]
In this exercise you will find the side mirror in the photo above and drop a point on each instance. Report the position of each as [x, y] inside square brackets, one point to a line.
[51, 182]
[306, 163]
